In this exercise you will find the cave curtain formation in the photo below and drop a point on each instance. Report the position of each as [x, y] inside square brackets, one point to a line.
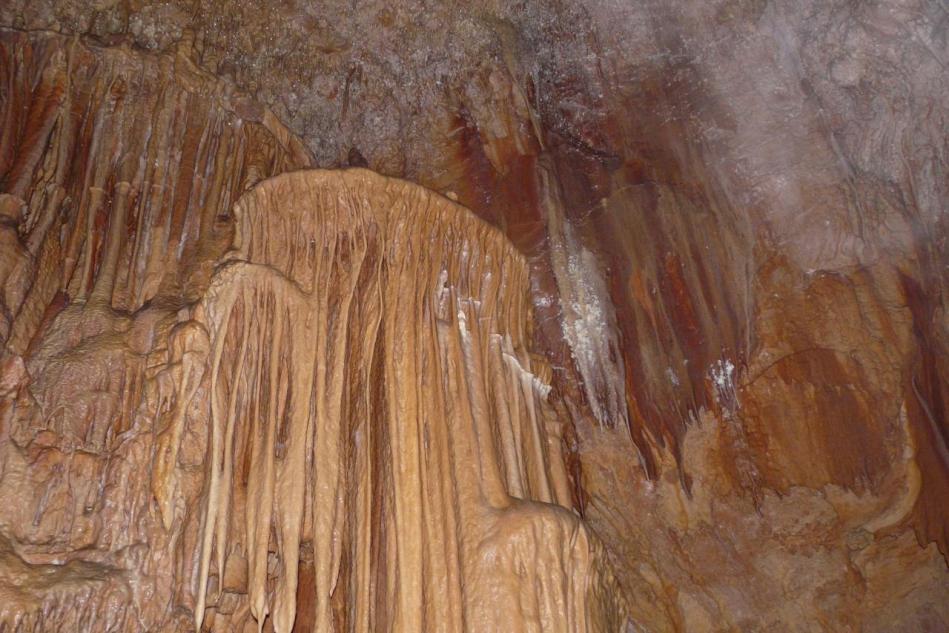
[232, 398]
[372, 398]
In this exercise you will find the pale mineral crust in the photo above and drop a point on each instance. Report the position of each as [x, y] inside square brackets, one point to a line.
[726, 270]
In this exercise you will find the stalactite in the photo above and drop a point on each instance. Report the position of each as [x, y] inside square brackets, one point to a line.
[373, 401]
[189, 349]
[118, 171]
[117, 175]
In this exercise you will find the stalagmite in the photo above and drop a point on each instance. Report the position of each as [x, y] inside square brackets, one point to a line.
[373, 402]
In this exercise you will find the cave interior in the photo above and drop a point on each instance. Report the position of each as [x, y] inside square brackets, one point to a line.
[432, 315]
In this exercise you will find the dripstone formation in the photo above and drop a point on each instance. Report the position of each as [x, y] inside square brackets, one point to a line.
[492, 316]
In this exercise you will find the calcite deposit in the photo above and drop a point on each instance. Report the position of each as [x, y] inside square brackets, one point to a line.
[373, 405]
[635, 322]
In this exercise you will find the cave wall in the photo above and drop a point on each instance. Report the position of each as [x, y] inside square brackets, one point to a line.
[733, 214]
[233, 401]
[120, 172]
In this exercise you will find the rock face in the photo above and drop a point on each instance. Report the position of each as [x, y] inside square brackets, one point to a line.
[120, 172]
[733, 220]
[313, 408]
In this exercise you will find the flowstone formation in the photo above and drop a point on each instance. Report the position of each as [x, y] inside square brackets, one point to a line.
[230, 402]
[345, 431]
[382, 454]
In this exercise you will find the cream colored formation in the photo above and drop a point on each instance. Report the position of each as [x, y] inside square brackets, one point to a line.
[374, 407]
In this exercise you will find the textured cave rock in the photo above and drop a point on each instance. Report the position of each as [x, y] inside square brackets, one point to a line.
[733, 216]
[313, 406]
